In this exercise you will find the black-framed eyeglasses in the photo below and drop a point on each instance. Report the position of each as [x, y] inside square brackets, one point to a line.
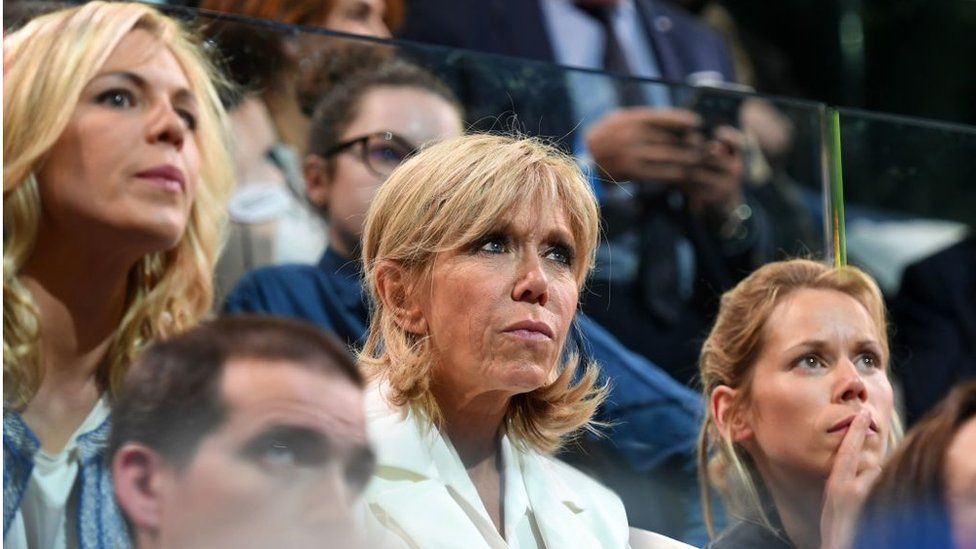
[380, 152]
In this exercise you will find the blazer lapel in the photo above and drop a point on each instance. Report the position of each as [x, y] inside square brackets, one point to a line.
[430, 516]
[429, 509]
[559, 513]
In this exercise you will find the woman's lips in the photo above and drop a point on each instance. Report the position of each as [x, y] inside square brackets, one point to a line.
[531, 330]
[166, 176]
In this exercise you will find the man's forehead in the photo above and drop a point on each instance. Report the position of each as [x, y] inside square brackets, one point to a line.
[253, 387]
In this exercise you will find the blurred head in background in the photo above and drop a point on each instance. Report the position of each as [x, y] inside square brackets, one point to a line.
[363, 129]
[367, 17]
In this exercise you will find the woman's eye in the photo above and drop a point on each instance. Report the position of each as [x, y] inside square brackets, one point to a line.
[189, 118]
[561, 254]
[868, 361]
[809, 362]
[116, 98]
[493, 244]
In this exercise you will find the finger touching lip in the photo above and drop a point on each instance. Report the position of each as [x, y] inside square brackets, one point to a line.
[845, 424]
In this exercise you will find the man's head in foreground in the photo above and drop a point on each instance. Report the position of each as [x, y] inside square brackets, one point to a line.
[245, 432]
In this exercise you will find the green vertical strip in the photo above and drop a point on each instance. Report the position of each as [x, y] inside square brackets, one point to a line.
[838, 232]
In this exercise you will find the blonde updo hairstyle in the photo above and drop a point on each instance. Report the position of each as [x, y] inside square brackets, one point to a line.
[729, 354]
[446, 197]
[47, 64]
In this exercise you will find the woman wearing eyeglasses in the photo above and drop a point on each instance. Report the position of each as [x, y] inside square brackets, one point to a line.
[361, 130]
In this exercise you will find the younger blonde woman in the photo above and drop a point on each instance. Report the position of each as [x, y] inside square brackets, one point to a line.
[800, 415]
[114, 178]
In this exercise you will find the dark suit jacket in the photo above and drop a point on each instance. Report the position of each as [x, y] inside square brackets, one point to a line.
[935, 325]
[517, 28]
[536, 92]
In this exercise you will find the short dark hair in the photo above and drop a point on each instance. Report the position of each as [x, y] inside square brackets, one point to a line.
[340, 106]
[907, 506]
[171, 396]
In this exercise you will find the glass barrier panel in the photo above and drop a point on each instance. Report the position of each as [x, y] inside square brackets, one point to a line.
[908, 186]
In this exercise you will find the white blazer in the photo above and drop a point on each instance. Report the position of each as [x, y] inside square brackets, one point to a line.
[421, 496]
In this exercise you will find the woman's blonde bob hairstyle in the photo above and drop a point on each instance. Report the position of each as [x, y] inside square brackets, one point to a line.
[728, 357]
[447, 197]
[47, 64]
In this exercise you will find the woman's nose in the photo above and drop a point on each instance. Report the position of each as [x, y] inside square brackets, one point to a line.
[167, 126]
[851, 385]
[532, 282]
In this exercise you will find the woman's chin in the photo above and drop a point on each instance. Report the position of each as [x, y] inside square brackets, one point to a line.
[526, 378]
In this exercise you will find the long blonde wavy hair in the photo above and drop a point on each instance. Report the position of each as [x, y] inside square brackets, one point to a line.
[448, 196]
[47, 64]
[730, 352]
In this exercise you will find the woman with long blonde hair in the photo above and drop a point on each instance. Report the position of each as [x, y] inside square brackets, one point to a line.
[114, 179]
[800, 409]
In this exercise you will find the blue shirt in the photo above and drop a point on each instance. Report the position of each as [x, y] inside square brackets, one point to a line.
[656, 418]
[329, 295]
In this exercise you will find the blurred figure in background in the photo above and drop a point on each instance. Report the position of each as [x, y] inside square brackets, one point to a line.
[116, 172]
[364, 17]
[935, 316]
[245, 432]
[361, 131]
[277, 69]
[800, 409]
[926, 496]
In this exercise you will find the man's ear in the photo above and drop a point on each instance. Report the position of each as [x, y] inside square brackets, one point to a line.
[138, 473]
[318, 182]
[731, 419]
[396, 288]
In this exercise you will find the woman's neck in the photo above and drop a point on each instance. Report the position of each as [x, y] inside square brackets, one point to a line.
[799, 504]
[80, 300]
[472, 423]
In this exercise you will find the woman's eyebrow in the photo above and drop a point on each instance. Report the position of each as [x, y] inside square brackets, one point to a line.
[808, 344]
[132, 77]
[561, 236]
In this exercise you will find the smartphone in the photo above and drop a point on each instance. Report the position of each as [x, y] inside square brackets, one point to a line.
[716, 107]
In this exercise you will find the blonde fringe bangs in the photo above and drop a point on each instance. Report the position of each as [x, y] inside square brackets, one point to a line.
[168, 291]
[447, 196]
